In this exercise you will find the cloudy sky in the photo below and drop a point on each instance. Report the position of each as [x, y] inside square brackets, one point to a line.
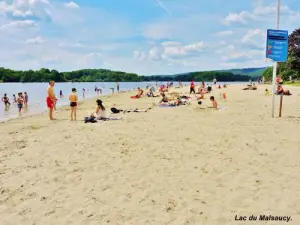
[140, 36]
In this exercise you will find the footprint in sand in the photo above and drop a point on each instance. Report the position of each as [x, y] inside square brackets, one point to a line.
[21, 144]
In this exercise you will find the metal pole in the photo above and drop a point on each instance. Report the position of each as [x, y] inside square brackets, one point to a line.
[280, 107]
[275, 64]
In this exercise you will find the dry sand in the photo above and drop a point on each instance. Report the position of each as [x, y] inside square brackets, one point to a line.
[168, 166]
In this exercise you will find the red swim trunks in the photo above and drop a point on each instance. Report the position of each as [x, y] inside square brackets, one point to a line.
[50, 102]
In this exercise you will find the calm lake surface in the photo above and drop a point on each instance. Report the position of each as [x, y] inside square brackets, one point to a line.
[37, 94]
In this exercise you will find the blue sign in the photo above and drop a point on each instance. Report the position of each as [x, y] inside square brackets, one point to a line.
[277, 45]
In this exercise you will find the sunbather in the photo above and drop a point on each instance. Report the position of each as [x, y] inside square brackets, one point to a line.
[101, 114]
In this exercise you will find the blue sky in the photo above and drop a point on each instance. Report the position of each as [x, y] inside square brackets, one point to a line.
[140, 36]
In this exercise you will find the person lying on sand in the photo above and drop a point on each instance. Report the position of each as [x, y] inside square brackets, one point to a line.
[164, 98]
[177, 102]
[140, 93]
[151, 94]
[250, 87]
[281, 91]
[115, 110]
[201, 92]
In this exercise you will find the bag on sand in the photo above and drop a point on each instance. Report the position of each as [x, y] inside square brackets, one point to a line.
[114, 110]
[90, 119]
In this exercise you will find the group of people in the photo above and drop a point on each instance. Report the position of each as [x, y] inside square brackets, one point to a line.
[101, 114]
[20, 101]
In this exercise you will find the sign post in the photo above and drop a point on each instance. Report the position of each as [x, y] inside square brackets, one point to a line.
[280, 106]
[276, 50]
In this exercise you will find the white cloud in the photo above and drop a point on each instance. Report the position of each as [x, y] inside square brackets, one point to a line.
[225, 33]
[261, 13]
[22, 9]
[18, 24]
[253, 38]
[237, 18]
[72, 5]
[36, 40]
[169, 51]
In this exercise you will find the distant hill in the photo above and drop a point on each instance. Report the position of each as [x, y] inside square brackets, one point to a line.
[252, 72]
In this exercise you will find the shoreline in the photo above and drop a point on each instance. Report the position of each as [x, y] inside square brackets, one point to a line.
[132, 92]
[61, 107]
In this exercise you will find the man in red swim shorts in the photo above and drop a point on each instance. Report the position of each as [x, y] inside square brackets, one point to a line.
[51, 99]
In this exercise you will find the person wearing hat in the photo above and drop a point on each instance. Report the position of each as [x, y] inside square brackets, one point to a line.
[73, 103]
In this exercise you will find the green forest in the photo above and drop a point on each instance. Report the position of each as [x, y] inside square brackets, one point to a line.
[102, 75]
[292, 66]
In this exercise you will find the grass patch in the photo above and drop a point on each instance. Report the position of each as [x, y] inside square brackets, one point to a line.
[295, 84]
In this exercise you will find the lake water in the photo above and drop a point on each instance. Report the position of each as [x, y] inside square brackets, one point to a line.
[37, 94]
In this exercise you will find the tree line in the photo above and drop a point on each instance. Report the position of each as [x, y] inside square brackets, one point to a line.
[291, 68]
[103, 75]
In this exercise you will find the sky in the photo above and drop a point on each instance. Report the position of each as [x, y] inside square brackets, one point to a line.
[147, 37]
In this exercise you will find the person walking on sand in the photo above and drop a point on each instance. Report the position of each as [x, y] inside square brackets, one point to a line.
[215, 81]
[61, 95]
[20, 101]
[73, 103]
[5, 100]
[83, 92]
[192, 87]
[51, 99]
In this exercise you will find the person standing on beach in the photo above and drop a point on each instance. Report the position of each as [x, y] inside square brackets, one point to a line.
[83, 92]
[73, 103]
[5, 100]
[15, 99]
[118, 87]
[192, 87]
[51, 99]
[215, 81]
[25, 98]
[61, 94]
[20, 101]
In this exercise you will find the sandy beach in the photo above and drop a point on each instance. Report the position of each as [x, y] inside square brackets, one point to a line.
[175, 166]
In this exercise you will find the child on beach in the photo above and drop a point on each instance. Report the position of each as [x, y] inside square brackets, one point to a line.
[267, 92]
[25, 98]
[214, 102]
[14, 98]
[5, 100]
[73, 103]
[20, 101]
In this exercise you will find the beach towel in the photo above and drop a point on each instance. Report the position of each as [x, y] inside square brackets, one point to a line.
[223, 108]
[167, 106]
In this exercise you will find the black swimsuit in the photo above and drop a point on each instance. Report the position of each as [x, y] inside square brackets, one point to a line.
[73, 104]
